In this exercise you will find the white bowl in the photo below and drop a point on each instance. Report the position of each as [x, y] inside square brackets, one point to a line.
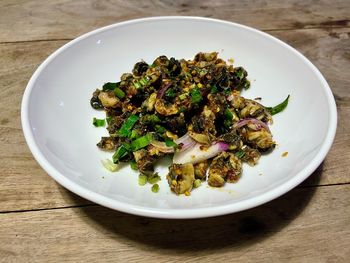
[57, 117]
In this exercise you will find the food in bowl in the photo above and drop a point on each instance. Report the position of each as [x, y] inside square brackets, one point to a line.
[190, 109]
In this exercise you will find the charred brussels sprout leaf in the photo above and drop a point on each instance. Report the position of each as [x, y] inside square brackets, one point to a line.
[174, 67]
[140, 68]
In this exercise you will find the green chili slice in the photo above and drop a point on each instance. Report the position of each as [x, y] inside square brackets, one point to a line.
[278, 108]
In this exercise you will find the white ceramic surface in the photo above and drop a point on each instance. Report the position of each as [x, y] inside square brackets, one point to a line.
[57, 117]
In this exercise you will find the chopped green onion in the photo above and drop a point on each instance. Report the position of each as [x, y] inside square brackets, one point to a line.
[119, 93]
[121, 152]
[133, 165]
[98, 122]
[183, 96]
[127, 126]
[141, 142]
[240, 154]
[137, 85]
[110, 86]
[109, 165]
[159, 129]
[134, 134]
[155, 188]
[170, 143]
[150, 119]
[197, 183]
[278, 108]
[228, 114]
[144, 81]
[170, 93]
[196, 95]
[154, 178]
[142, 179]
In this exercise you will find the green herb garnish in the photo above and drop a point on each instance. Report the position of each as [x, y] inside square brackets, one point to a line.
[183, 96]
[228, 114]
[121, 152]
[153, 178]
[170, 93]
[142, 82]
[119, 93]
[155, 188]
[142, 179]
[170, 143]
[98, 122]
[150, 119]
[134, 134]
[240, 154]
[110, 86]
[196, 95]
[159, 129]
[133, 165]
[127, 126]
[141, 142]
[278, 108]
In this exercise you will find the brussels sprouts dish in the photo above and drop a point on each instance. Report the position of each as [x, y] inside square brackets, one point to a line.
[191, 110]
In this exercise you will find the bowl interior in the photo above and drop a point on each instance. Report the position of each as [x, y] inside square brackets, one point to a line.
[59, 117]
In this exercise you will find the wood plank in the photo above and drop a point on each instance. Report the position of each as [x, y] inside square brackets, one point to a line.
[306, 225]
[61, 19]
[24, 185]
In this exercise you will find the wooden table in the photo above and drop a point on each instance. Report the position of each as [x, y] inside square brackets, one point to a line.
[41, 221]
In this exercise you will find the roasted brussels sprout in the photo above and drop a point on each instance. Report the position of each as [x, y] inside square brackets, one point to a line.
[226, 167]
[181, 178]
[189, 109]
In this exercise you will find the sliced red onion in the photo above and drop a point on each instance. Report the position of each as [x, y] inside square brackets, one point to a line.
[162, 90]
[199, 153]
[258, 123]
[186, 142]
[230, 97]
[162, 147]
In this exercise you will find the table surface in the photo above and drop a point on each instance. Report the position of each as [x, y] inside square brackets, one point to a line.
[41, 221]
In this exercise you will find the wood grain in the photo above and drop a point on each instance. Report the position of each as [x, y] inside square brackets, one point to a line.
[61, 19]
[24, 185]
[306, 225]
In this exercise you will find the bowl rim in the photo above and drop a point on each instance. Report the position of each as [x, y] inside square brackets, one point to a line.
[178, 213]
